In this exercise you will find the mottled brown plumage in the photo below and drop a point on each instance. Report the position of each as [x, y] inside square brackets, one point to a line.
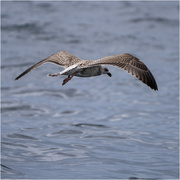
[75, 66]
[63, 58]
[132, 65]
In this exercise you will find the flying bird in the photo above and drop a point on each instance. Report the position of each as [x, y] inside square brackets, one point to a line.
[75, 66]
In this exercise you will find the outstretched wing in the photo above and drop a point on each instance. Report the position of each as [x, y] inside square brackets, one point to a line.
[130, 64]
[62, 58]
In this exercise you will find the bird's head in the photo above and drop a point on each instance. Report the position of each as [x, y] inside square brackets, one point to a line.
[106, 71]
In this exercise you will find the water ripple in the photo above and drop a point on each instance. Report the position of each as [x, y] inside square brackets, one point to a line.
[161, 20]
[21, 136]
[90, 125]
[22, 110]
[33, 28]
[65, 131]
[114, 127]
[71, 92]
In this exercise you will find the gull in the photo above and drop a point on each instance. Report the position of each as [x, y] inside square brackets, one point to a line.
[75, 66]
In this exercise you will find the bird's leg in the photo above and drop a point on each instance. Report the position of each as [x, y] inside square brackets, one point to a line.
[68, 78]
[54, 75]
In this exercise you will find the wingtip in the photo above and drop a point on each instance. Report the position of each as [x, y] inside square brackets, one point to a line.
[17, 78]
[155, 88]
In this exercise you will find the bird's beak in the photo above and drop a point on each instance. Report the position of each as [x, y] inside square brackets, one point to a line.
[109, 74]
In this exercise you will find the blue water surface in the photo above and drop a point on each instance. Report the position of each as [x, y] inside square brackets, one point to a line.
[91, 128]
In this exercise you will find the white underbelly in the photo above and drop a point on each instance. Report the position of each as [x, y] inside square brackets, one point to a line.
[84, 72]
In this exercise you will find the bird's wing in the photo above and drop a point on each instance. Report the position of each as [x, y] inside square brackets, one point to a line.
[130, 64]
[63, 58]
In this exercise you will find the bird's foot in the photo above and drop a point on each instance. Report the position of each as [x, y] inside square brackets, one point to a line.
[66, 80]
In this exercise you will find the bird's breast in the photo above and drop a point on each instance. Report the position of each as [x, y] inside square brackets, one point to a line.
[90, 71]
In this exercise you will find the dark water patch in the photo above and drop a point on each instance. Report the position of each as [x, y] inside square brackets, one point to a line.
[130, 178]
[15, 108]
[23, 110]
[161, 20]
[14, 144]
[21, 136]
[65, 154]
[7, 89]
[90, 125]
[65, 113]
[68, 112]
[29, 129]
[67, 131]
[45, 5]
[4, 16]
[32, 28]
[104, 137]
[74, 41]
